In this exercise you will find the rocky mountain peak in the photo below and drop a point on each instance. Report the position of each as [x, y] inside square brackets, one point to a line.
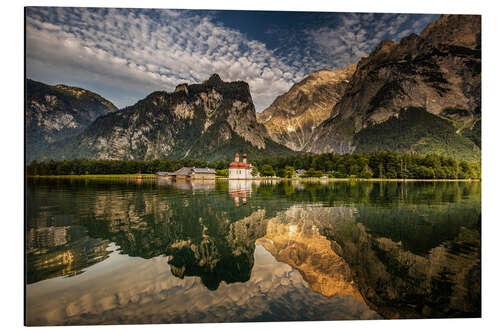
[457, 30]
[214, 80]
[182, 87]
[293, 116]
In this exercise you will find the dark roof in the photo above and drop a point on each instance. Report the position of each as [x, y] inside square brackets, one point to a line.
[204, 170]
[187, 171]
[183, 171]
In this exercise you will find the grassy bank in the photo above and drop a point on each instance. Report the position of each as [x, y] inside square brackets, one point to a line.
[315, 179]
[114, 176]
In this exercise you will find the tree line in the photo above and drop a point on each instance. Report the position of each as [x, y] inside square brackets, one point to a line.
[367, 165]
[371, 165]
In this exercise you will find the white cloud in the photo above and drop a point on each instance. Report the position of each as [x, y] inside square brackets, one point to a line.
[142, 53]
[126, 54]
[358, 34]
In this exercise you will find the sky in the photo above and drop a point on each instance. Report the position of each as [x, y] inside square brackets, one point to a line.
[125, 54]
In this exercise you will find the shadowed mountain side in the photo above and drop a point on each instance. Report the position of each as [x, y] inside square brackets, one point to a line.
[58, 112]
[442, 282]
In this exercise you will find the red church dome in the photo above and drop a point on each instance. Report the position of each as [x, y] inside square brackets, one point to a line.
[243, 165]
[238, 165]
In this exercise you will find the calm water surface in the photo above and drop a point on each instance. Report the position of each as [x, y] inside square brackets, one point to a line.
[119, 252]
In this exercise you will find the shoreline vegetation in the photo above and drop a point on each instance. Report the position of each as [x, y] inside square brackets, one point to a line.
[368, 166]
[305, 179]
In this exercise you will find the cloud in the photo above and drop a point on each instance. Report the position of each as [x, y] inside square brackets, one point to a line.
[357, 34]
[125, 54]
[141, 51]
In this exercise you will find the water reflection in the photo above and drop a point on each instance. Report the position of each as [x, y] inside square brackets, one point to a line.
[298, 251]
[240, 189]
[193, 185]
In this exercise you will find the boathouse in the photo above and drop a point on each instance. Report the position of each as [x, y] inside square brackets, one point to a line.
[189, 173]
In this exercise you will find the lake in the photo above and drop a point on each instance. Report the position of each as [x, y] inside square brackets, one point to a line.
[129, 252]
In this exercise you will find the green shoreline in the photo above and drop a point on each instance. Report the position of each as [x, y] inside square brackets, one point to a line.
[153, 176]
[135, 176]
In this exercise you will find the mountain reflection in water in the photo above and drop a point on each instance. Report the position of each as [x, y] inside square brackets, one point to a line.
[165, 252]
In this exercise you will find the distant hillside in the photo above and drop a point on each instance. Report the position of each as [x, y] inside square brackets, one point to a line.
[58, 112]
[432, 134]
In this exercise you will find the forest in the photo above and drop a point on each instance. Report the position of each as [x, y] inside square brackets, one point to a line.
[367, 165]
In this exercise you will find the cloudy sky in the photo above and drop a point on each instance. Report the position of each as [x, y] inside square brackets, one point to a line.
[125, 54]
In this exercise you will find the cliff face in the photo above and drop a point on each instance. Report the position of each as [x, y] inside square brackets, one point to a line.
[211, 120]
[438, 71]
[58, 112]
[292, 117]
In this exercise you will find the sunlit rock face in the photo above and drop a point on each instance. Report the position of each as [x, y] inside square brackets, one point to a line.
[292, 117]
[58, 112]
[211, 120]
[438, 71]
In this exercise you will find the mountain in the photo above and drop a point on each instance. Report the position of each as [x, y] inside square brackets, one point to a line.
[422, 94]
[292, 117]
[58, 112]
[211, 120]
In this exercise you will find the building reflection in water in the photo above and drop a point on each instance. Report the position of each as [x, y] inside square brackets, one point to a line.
[188, 185]
[240, 189]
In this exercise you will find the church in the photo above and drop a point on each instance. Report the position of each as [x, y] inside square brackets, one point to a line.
[240, 170]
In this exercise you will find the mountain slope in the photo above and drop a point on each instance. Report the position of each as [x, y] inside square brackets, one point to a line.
[293, 116]
[415, 130]
[438, 71]
[58, 112]
[211, 120]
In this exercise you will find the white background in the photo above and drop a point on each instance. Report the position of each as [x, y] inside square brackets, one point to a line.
[12, 203]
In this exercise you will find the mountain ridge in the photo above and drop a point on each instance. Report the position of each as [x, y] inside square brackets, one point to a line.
[293, 116]
[59, 112]
[213, 119]
[419, 72]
